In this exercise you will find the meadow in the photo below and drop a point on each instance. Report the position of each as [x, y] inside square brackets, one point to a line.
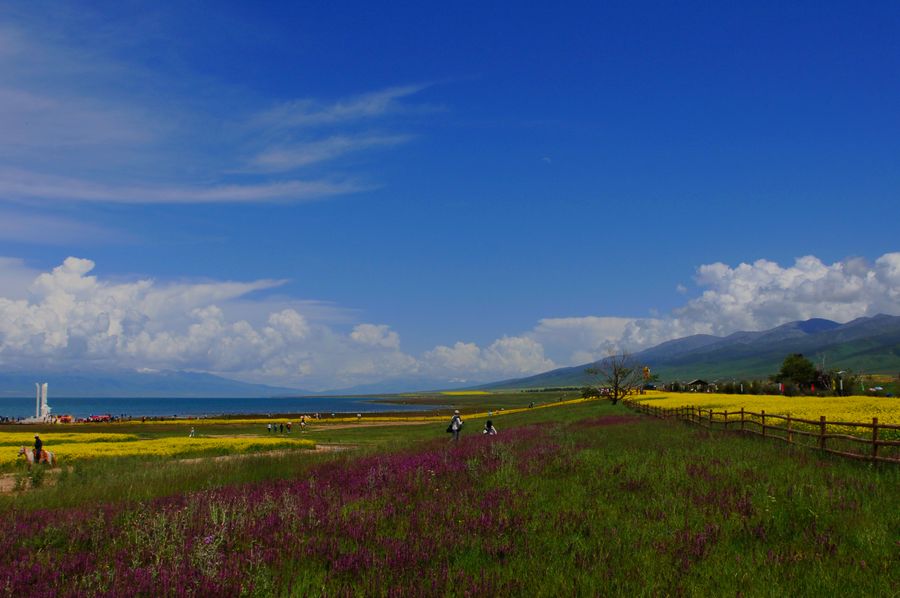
[577, 499]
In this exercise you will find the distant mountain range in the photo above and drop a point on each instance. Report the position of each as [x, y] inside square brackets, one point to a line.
[870, 345]
[161, 384]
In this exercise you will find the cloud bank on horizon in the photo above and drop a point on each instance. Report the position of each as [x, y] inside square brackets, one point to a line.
[69, 319]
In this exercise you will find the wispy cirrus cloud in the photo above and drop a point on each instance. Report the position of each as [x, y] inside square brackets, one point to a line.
[25, 185]
[52, 229]
[80, 125]
[309, 112]
[299, 154]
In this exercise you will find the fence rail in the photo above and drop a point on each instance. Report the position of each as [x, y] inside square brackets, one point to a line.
[814, 434]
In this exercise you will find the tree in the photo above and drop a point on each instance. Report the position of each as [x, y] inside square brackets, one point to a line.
[619, 374]
[589, 392]
[797, 369]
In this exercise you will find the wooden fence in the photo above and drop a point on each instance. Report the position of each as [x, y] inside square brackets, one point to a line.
[828, 436]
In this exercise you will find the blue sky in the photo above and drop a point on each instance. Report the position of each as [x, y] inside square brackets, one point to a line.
[472, 190]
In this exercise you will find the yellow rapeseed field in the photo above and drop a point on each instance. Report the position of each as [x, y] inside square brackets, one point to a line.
[27, 438]
[345, 419]
[162, 447]
[857, 409]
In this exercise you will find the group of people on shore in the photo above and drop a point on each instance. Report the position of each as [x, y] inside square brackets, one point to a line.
[456, 425]
[282, 427]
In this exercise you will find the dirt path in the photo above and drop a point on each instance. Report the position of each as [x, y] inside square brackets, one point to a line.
[8, 480]
[326, 427]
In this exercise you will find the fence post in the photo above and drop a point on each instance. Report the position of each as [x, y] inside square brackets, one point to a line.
[726, 419]
[874, 438]
[790, 436]
[710, 420]
[822, 433]
[763, 414]
[742, 419]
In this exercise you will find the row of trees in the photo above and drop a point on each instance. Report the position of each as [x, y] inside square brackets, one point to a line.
[617, 376]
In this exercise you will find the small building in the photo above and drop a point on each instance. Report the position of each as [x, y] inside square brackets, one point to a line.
[698, 385]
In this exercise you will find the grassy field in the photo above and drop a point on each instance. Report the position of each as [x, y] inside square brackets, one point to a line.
[575, 499]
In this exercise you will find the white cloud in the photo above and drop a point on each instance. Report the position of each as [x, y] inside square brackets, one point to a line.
[460, 358]
[70, 317]
[17, 184]
[295, 155]
[46, 229]
[580, 337]
[79, 125]
[755, 296]
[764, 294]
[507, 356]
[15, 277]
[751, 297]
[375, 336]
[309, 112]
[517, 355]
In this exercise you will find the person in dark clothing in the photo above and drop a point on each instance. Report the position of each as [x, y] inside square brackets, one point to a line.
[38, 446]
[456, 424]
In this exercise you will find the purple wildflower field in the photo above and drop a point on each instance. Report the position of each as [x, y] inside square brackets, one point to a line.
[385, 524]
[611, 503]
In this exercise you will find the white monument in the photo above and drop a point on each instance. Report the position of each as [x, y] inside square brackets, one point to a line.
[42, 409]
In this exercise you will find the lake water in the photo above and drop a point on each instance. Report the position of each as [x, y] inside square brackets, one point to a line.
[168, 407]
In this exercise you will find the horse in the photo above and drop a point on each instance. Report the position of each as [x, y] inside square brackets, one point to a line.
[46, 456]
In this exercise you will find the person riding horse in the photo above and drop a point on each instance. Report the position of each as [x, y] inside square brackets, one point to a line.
[38, 446]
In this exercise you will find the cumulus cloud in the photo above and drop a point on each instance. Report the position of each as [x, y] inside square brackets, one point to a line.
[754, 296]
[71, 318]
[749, 296]
[764, 294]
[507, 356]
[580, 339]
[375, 336]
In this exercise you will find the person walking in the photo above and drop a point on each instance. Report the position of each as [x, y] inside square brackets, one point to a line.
[456, 424]
[489, 428]
[191, 435]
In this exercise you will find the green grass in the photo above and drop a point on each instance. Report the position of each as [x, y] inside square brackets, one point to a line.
[641, 507]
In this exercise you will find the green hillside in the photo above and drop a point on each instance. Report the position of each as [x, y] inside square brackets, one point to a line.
[866, 345]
